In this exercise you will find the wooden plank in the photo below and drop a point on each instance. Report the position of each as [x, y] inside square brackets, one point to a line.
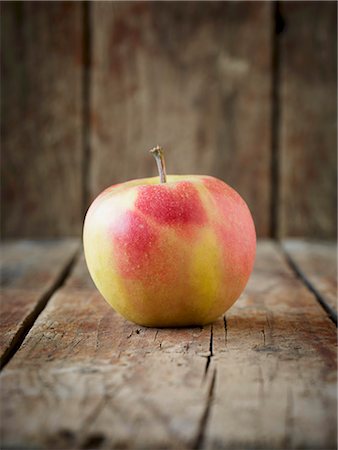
[41, 119]
[276, 366]
[316, 263]
[308, 136]
[194, 77]
[33, 265]
[85, 374]
[29, 273]
[85, 377]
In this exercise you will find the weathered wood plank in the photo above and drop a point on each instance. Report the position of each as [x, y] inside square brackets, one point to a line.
[316, 263]
[85, 372]
[30, 264]
[194, 77]
[308, 136]
[29, 273]
[276, 366]
[41, 119]
[85, 377]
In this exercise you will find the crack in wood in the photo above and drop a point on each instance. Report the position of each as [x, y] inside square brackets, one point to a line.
[302, 277]
[97, 340]
[198, 443]
[225, 331]
[74, 345]
[211, 354]
[40, 306]
[130, 334]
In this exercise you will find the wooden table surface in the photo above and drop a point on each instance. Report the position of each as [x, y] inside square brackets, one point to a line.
[76, 375]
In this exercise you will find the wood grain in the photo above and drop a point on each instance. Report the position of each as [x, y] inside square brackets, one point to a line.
[308, 128]
[86, 378]
[276, 366]
[194, 77]
[29, 273]
[316, 262]
[41, 119]
[133, 388]
[108, 387]
[191, 76]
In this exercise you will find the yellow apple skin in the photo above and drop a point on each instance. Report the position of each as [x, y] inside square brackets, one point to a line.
[173, 254]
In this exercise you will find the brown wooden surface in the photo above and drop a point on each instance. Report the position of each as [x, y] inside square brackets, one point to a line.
[317, 264]
[194, 77]
[308, 128]
[41, 119]
[210, 81]
[29, 272]
[263, 378]
[135, 387]
[276, 366]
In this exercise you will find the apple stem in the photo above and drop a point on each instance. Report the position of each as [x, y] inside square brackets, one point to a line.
[157, 153]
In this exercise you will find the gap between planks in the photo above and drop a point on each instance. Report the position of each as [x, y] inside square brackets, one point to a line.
[277, 28]
[198, 444]
[30, 319]
[301, 275]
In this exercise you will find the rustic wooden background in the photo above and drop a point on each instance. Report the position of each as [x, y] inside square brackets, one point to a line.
[242, 91]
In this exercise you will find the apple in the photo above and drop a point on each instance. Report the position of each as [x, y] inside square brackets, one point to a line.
[174, 251]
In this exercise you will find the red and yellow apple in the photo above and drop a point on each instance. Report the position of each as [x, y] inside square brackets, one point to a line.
[174, 253]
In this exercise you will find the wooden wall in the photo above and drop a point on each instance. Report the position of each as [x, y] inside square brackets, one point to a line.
[41, 118]
[308, 120]
[242, 91]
